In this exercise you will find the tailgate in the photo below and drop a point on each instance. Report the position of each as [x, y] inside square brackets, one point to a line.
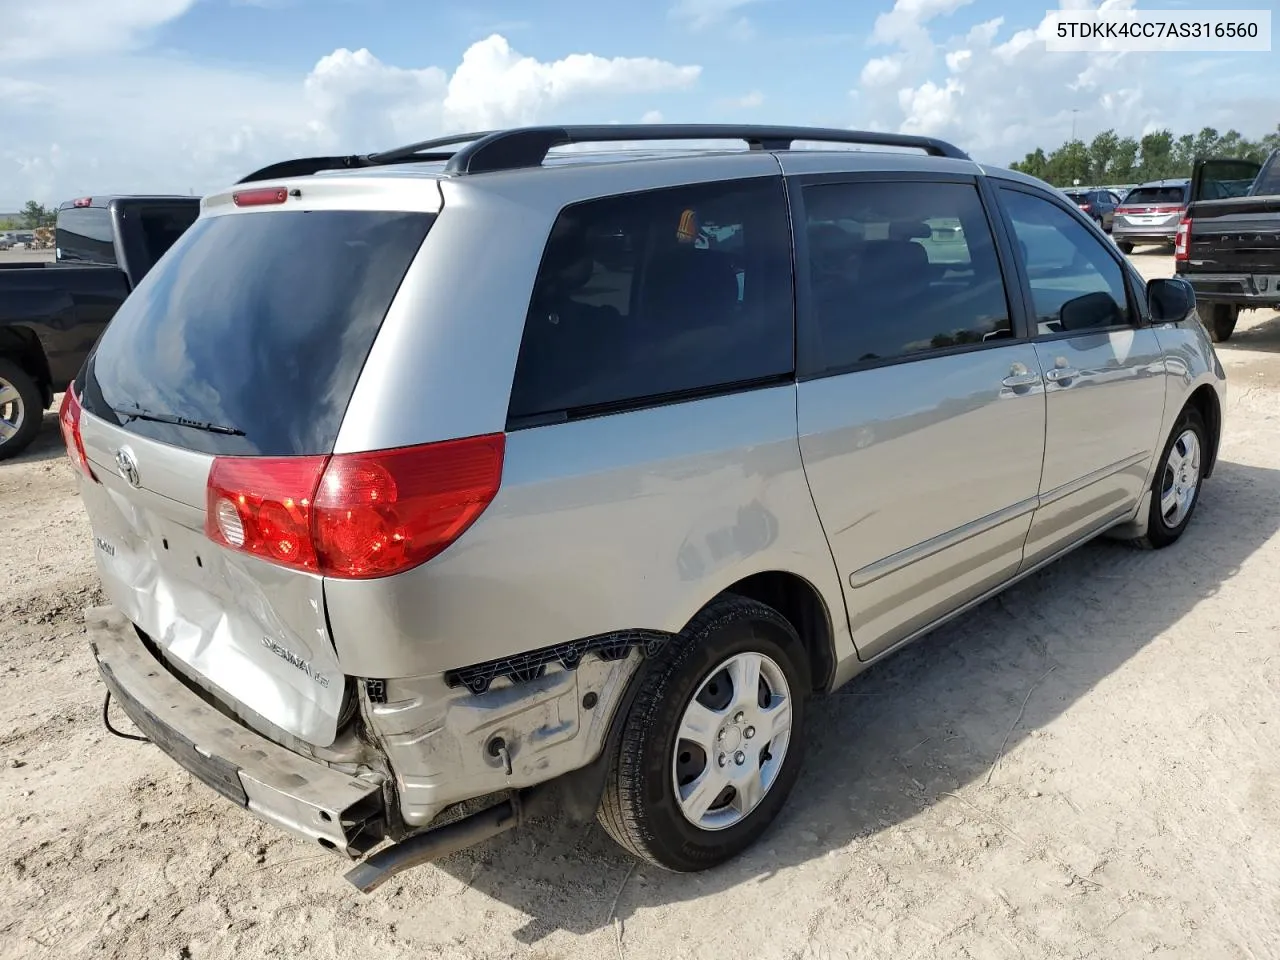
[1239, 236]
[254, 631]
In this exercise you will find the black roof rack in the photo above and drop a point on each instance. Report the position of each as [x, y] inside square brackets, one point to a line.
[528, 146]
[521, 147]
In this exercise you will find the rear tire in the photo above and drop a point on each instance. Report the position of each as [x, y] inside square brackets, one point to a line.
[21, 409]
[712, 745]
[1175, 489]
[1220, 320]
[1125, 246]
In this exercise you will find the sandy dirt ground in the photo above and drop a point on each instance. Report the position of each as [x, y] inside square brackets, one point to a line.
[1135, 810]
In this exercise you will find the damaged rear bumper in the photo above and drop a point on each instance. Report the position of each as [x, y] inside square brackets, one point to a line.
[341, 812]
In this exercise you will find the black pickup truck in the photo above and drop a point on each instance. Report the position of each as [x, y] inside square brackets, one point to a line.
[1228, 244]
[52, 313]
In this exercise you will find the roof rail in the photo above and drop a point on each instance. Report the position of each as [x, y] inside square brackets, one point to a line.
[519, 147]
[528, 146]
[411, 153]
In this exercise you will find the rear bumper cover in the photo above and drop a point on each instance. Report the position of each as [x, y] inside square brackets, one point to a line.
[341, 812]
[1233, 288]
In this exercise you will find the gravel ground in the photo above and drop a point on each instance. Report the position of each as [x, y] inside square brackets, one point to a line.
[1134, 810]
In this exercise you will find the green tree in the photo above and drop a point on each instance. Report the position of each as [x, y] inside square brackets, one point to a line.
[1157, 156]
[1125, 161]
[1102, 156]
[1069, 163]
[35, 215]
[1034, 164]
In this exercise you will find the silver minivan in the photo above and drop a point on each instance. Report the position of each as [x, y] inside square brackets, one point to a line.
[426, 482]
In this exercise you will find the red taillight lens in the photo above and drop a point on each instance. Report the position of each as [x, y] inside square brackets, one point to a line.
[384, 512]
[263, 506]
[354, 516]
[1086, 207]
[260, 198]
[69, 421]
[1182, 240]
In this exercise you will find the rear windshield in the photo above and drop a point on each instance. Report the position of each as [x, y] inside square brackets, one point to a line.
[84, 235]
[257, 324]
[1150, 196]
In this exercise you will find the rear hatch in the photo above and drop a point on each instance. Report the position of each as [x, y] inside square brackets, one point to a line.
[1155, 208]
[236, 357]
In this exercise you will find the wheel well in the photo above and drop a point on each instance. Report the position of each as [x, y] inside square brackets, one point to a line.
[1205, 401]
[23, 347]
[799, 601]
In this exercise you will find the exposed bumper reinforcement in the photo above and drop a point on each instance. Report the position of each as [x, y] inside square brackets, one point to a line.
[433, 845]
[308, 799]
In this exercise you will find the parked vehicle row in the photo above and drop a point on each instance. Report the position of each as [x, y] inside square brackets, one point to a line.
[762, 417]
[51, 314]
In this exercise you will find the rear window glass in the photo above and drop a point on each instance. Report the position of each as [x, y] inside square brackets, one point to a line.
[257, 323]
[84, 235]
[161, 227]
[655, 295]
[1149, 196]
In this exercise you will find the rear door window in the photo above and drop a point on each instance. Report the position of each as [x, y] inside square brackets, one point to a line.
[85, 235]
[898, 269]
[658, 296]
[257, 324]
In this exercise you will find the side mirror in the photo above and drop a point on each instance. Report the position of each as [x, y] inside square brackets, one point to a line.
[1170, 299]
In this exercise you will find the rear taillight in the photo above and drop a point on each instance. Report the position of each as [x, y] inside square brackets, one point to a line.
[354, 516]
[1086, 207]
[69, 421]
[262, 505]
[1182, 240]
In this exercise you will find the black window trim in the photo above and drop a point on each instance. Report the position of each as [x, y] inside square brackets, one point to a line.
[1028, 301]
[515, 422]
[806, 354]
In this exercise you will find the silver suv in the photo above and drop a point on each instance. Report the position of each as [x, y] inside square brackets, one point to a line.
[423, 479]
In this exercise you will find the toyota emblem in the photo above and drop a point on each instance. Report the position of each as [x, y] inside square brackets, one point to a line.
[127, 466]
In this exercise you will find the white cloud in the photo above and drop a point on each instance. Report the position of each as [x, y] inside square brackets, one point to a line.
[703, 14]
[881, 71]
[998, 93]
[652, 116]
[33, 30]
[748, 101]
[174, 125]
[906, 22]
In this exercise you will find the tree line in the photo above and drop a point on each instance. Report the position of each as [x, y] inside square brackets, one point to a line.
[1112, 159]
[31, 216]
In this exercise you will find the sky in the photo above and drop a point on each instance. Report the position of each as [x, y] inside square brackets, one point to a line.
[181, 96]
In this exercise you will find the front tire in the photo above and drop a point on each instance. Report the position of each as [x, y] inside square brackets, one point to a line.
[21, 409]
[1220, 320]
[713, 742]
[1175, 489]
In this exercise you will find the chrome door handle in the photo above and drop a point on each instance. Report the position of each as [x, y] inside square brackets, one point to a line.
[1015, 380]
[1059, 374]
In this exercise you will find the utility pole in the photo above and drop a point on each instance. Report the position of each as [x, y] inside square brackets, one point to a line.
[1074, 111]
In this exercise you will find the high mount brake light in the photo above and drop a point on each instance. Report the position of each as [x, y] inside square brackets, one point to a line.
[1182, 240]
[263, 197]
[354, 516]
[69, 422]
[83, 202]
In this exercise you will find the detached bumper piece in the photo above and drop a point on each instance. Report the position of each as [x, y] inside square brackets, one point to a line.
[308, 799]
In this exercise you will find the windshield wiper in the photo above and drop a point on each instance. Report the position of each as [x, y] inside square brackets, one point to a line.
[137, 413]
